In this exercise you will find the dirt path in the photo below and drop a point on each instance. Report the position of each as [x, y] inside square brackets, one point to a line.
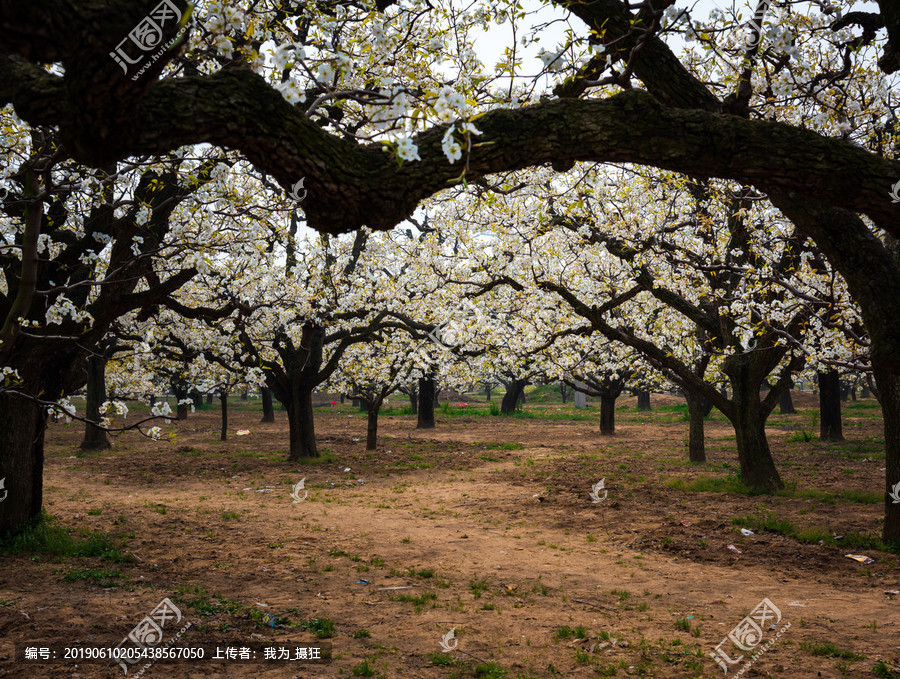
[452, 516]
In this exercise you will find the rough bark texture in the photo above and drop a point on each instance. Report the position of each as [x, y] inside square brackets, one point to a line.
[786, 403]
[830, 428]
[607, 414]
[515, 389]
[223, 398]
[698, 408]
[22, 424]
[95, 438]
[425, 418]
[268, 410]
[372, 427]
[749, 420]
[889, 389]
[301, 425]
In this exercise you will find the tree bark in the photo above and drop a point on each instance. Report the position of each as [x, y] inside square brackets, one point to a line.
[244, 395]
[698, 409]
[22, 424]
[607, 414]
[209, 399]
[830, 407]
[426, 404]
[301, 425]
[268, 411]
[757, 465]
[414, 401]
[223, 398]
[372, 426]
[95, 438]
[197, 398]
[888, 383]
[643, 399]
[514, 391]
[786, 403]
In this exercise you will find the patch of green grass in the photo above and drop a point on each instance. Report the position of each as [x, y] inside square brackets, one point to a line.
[363, 670]
[418, 600]
[361, 634]
[801, 436]
[323, 628]
[231, 515]
[442, 659]
[566, 632]
[95, 512]
[47, 536]
[829, 650]
[324, 457]
[713, 484]
[490, 670]
[99, 576]
[882, 671]
[478, 587]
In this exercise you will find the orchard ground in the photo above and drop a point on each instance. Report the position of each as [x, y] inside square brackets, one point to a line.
[546, 586]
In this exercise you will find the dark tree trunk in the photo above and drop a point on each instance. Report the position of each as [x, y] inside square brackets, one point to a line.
[563, 392]
[244, 395]
[342, 399]
[95, 438]
[209, 399]
[786, 403]
[372, 426]
[865, 391]
[514, 391]
[757, 466]
[268, 411]
[643, 399]
[356, 403]
[363, 405]
[22, 424]
[830, 406]
[197, 398]
[301, 424]
[181, 395]
[698, 409]
[426, 404]
[845, 392]
[853, 393]
[888, 383]
[487, 391]
[414, 401]
[607, 414]
[223, 397]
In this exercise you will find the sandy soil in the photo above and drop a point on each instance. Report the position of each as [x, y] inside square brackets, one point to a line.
[488, 524]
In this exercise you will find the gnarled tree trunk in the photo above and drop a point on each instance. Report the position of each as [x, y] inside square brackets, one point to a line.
[22, 424]
[515, 390]
[757, 465]
[607, 414]
[301, 425]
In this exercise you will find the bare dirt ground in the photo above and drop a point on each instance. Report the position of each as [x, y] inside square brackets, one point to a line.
[488, 524]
